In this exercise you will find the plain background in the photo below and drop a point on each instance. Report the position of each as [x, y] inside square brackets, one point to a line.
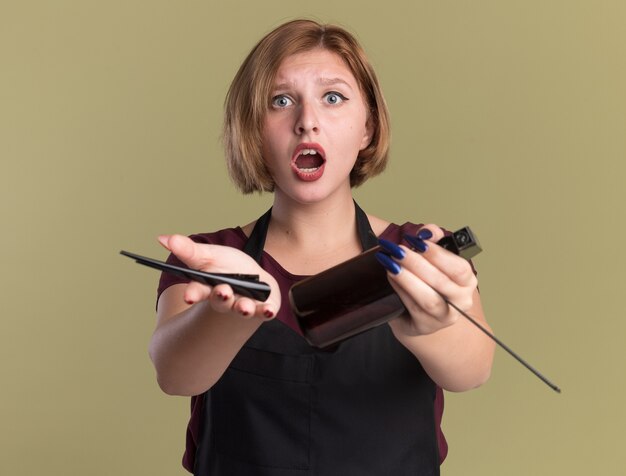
[508, 116]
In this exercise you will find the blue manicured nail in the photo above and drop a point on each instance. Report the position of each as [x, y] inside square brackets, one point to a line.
[417, 243]
[425, 234]
[389, 264]
[391, 248]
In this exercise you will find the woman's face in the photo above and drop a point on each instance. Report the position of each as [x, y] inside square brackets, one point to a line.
[315, 127]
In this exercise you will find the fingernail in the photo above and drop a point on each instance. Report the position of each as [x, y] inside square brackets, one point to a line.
[389, 264]
[417, 243]
[188, 301]
[391, 248]
[222, 296]
[425, 234]
[245, 313]
[269, 314]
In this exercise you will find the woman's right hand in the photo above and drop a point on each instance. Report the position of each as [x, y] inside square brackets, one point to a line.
[222, 259]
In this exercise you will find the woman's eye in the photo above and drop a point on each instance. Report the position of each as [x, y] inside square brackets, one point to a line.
[281, 101]
[334, 98]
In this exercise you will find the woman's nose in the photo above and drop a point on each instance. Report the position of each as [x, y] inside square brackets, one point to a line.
[307, 120]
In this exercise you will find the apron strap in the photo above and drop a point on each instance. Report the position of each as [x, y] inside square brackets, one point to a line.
[256, 241]
[366, 235]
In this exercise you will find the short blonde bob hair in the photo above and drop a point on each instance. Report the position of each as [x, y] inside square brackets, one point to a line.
[248, 101]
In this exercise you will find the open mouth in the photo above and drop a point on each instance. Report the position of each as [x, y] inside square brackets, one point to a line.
[308, 161]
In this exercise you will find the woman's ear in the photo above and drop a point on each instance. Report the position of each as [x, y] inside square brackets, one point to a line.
[368, 134]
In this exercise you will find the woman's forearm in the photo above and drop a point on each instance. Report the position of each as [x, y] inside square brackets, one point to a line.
[458, 357]
[191, 349]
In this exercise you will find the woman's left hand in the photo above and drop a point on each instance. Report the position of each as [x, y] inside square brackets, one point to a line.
[455, 354]
[423, 276]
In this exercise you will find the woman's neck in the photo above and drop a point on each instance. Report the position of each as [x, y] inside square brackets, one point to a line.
[329, 221]
[308, 238]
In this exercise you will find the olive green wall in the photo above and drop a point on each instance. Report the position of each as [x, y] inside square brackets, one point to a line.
[508, 116]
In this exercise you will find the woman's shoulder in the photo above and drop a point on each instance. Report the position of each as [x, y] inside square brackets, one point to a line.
[234, 237]
[392, 231]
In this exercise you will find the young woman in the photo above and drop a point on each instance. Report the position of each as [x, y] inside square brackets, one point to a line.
[306, 120]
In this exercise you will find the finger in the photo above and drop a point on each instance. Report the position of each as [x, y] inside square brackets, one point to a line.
[222, 298]
[445, 273]
[163, 241]
[266, 311]
[456, 268]
[189, 252]
[196, 292]
[245, 307]
[418, 296]
[448, 274]
[249, 308]
[430, 232]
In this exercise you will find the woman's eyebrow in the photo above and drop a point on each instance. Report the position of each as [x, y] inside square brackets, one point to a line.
[332, 81]
[282, 86]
